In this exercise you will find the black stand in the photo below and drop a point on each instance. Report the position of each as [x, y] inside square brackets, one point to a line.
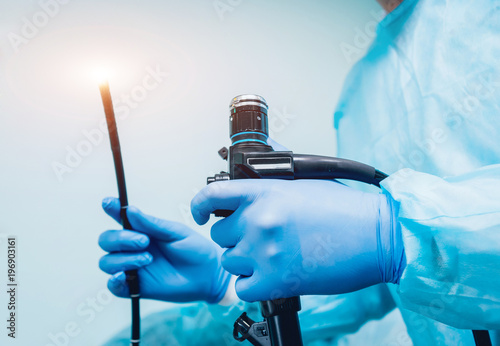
[481, 337]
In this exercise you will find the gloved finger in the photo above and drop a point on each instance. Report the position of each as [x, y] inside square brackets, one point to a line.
[236, 261]
[276, 146]
[227, 232]
[222, 195]
[247, 288]
[112, 207]
[123, 240]
[117, 285]
[116, 262]
[159, 229]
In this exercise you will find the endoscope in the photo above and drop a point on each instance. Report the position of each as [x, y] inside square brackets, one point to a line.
[250, 157]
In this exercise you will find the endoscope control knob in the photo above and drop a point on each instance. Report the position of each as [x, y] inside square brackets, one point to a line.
[223, 153]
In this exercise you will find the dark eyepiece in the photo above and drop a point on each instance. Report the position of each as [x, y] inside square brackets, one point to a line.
[248, 119]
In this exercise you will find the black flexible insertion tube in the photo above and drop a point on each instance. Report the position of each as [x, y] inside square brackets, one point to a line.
[132, 279]
[131, 275]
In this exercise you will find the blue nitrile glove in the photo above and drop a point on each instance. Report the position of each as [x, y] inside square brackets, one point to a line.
[289, 238]
[175, 263]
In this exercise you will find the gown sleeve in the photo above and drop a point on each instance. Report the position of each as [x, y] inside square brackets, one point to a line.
[451, 234]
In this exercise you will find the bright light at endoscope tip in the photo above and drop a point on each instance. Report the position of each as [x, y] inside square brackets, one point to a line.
[101, 75]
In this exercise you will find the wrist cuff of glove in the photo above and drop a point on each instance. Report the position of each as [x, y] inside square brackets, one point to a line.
[391, 252]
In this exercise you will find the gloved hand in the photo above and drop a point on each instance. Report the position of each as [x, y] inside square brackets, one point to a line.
[289, 238]
[175, 263]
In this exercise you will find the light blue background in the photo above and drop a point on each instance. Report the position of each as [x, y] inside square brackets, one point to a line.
[287, 51]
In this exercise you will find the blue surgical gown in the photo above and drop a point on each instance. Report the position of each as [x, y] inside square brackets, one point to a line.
[424, 106]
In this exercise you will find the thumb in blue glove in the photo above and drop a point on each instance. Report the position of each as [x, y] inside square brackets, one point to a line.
[174, 263]
[289, 238]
